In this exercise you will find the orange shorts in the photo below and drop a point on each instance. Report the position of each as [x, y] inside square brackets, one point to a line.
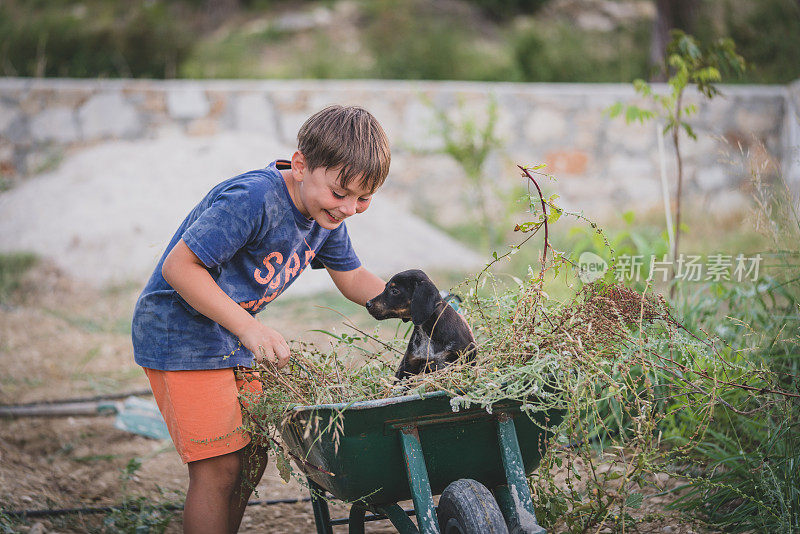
[202, 411]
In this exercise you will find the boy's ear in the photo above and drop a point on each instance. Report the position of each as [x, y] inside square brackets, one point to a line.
[299, 167]
[423, 301]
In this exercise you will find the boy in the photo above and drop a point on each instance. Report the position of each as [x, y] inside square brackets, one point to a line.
[238, 249]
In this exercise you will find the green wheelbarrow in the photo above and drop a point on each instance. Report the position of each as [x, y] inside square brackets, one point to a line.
[415, 447]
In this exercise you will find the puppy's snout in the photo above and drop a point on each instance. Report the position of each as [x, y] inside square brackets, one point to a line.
[377, 308]
[374, 306]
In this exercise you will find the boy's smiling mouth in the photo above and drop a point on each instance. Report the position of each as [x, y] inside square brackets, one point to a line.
[332, 217]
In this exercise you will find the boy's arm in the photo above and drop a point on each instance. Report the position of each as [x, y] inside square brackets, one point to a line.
[187, 275]
[358, 285]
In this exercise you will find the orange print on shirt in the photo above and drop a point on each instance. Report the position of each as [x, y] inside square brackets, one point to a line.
[258, 273]
[292, 266]
[292, 269]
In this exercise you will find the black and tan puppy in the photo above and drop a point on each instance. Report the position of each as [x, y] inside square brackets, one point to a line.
[440, 334]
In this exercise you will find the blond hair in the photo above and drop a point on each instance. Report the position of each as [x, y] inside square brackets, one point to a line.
[348, 138]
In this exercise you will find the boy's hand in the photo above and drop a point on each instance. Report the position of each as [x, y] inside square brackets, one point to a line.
[267, 344]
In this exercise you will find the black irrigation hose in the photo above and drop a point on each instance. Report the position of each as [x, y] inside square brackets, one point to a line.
[112, 396]
[107, 509]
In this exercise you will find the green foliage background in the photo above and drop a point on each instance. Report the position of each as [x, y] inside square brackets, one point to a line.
[64, 39]
[492, 40]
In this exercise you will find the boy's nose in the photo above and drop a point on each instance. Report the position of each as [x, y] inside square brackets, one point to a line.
[349, 207]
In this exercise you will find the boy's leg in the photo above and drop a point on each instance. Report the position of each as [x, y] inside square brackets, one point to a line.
[219, 489]
[201, 409]
[253, 457]
[253, 460]
[212, 485]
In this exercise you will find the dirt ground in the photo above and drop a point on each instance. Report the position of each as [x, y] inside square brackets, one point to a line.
[60, 339]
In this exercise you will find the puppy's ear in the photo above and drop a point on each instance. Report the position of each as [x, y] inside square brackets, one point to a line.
[423, 302]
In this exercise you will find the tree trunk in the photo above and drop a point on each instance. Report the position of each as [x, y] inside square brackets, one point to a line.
[670, 14]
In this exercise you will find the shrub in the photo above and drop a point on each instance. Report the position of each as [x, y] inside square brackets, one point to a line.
[768, 35]
[503, 9]
[752, 450]
[12, 267]
[557, 53]
[137, 514]
[410, 40]
[49, 40]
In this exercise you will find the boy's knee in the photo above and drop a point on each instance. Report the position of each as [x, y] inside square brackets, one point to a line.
[220, 471]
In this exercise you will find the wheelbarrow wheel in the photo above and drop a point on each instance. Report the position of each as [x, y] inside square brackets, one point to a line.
[467, 507]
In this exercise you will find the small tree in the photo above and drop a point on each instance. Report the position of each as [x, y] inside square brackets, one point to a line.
[469, 141]
[670, 14]
[686, 63]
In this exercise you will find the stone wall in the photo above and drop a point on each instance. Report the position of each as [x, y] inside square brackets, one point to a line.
[600, 163]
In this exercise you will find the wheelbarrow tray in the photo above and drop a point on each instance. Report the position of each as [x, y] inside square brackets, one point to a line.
[368, 464]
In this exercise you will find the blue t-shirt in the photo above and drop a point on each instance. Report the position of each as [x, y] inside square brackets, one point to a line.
[255, 243]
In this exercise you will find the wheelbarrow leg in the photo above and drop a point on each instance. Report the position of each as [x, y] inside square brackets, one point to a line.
[515, 499]
[356, 520]
[399, 518]
[322, 516]
[418, 480]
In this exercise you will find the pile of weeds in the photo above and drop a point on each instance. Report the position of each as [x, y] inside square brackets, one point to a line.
[642, 390]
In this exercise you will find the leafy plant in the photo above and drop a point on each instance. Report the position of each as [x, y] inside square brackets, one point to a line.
[687, 64]
[8, 525]
[751, 482]
[627, 250]
[503, 9]
[51, 39]
[401, 36]
[137, 514]
[470, 140]
[770, 53]
[552, 51]
[12, 267]
[752, 450]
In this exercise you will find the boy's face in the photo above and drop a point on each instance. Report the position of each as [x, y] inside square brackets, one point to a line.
[320, 196]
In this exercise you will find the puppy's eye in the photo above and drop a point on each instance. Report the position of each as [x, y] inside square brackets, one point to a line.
[394, 291]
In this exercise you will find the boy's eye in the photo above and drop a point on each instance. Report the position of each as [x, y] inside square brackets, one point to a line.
[337, 195]
[362, 199]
